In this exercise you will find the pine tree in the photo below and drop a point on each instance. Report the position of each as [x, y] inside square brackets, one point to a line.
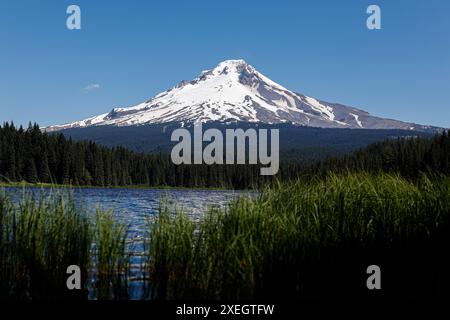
[44, 169]
[30, 170]
[10, 163]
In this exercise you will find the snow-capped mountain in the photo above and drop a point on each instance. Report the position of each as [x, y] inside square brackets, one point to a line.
[235, 91]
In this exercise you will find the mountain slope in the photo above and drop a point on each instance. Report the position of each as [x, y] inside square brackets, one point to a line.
[308, 142]
[235, 91]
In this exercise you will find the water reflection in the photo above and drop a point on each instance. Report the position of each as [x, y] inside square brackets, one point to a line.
[135, 207]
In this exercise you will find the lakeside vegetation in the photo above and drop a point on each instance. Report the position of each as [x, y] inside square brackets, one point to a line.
[311, 232]
[40, 237]
[24, 184]
[310, 239]
[302, 239]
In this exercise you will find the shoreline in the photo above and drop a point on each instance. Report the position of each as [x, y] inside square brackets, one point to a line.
[24, 184]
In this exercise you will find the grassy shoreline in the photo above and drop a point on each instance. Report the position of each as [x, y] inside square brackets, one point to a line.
[296, 240]
[68, 186]
[41, 237]
[311, 240]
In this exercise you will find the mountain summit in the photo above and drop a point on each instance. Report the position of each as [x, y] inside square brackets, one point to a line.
[236, 91]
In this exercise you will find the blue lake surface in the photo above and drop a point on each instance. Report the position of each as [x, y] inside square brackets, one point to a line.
[135, 207]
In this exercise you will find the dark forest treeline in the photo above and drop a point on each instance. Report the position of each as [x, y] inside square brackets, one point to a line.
[33, 156]
[410, 157]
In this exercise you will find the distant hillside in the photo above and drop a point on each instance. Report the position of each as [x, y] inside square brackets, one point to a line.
[306, 142]
[33, 156]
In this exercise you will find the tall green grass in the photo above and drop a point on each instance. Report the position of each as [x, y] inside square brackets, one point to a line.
[309, 239]
[293, 240]
[41, 236]
[111, 257]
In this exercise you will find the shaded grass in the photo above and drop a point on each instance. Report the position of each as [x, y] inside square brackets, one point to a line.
[40, 237]
[111, 257]
[310, 239]
[294, 240]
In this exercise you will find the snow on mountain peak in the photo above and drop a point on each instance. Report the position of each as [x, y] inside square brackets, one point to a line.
[233, 66]
[236, 91]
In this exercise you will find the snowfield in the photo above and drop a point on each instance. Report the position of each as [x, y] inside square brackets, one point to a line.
[236, 91]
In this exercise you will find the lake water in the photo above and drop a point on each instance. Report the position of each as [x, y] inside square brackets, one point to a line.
[134, 207]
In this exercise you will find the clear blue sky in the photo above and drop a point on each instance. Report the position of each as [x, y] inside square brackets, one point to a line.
[134, 49]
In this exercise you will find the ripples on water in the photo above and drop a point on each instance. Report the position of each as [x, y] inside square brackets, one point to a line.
[134, 207]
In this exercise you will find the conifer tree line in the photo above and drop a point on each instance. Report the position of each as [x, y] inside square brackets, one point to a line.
[409, 157]
[34, 156]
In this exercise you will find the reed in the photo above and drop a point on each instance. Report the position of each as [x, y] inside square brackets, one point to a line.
[111, 258]
[294, 240]
[40, 236]
[309, 239]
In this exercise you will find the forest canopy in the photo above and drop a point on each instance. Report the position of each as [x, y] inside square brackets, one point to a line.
[34, 156]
